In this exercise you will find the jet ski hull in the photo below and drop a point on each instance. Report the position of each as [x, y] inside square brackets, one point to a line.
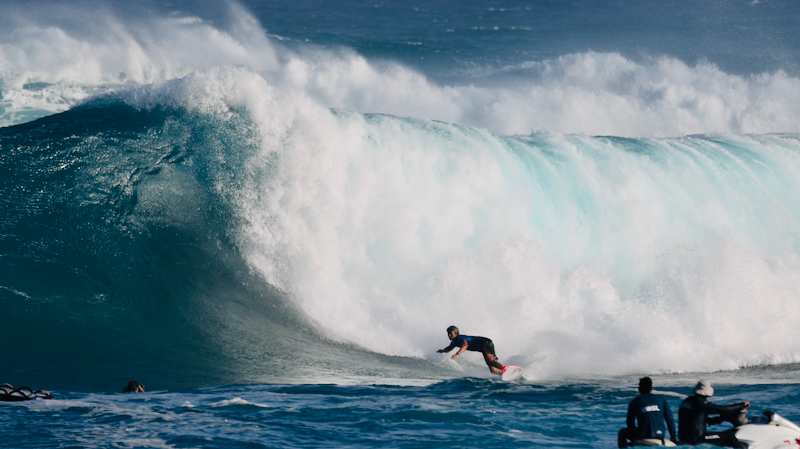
[769, 431]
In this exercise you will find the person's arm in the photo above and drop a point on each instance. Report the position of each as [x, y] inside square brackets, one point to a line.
[670, 423]
[464, 347]
[711, 408]
[714, 420]
[630, 421]
[449, 348]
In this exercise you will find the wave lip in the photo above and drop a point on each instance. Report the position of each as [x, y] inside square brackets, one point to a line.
[57, 55]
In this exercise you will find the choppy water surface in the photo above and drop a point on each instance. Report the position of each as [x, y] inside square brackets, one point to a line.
[466, 412]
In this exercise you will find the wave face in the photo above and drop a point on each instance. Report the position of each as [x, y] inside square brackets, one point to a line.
[114, 244]
[569, 251]
[269, 206]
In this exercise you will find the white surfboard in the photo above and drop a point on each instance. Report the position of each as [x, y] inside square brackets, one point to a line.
[511, 372]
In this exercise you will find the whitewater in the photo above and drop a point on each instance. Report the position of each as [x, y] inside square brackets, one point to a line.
[269, 213]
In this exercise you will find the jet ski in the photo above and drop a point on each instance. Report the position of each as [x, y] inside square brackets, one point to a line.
[10, 394]
[768, 431]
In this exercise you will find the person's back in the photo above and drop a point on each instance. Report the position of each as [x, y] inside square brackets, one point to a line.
[650, 411]
[648, 417]
[473, 343]
[692, 419]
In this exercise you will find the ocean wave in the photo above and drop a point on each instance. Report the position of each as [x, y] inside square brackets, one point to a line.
[379, 226]
[50, 65]
[255, 212]
[325, 214]
[54, 56]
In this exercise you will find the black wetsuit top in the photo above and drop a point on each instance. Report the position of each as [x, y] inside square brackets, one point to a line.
[693, 417]
[653, 416]
[480, 344]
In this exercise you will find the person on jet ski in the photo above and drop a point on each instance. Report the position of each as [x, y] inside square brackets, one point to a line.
[652, 414]
[693, 417]
[479, 344]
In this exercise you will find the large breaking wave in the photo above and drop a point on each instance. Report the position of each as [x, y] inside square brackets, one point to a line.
[243, 221]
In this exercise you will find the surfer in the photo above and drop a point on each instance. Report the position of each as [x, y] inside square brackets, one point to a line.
[693, 418]
[133, 387]
[468, 343]
[652, 414]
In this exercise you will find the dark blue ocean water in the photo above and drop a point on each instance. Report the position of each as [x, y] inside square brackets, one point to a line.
[466, 412]
[268, 213]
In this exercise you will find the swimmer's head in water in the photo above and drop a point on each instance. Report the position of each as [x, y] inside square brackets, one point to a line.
[133, 387]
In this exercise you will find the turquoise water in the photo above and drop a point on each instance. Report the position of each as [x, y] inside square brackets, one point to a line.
[269, 213]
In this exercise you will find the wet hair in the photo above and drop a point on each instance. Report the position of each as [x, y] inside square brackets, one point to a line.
[645, 385]
[452, 329]
[131, 387]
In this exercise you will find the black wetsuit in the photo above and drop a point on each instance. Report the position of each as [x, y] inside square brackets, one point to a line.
[693, 419]
[653, 416]
[479, 344]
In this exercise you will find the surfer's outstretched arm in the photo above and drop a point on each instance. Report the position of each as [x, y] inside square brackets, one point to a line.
[448, 349]
[463, 348]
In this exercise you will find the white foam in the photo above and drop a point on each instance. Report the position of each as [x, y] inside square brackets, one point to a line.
[577, 255]
[50, 61]
[143, 442]
[54, 56]
[589, 93]
[235, 401]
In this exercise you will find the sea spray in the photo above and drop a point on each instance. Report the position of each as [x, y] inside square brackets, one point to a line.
[53, 56]
[53, 62]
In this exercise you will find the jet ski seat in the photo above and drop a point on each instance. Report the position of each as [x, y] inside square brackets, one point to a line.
[623, 442]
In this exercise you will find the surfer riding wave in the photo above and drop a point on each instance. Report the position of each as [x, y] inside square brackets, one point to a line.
[478, 344]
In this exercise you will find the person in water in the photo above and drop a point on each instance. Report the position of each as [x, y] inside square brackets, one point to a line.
[468, 343]
[693, 417]
[133, 387]
[652, 414]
